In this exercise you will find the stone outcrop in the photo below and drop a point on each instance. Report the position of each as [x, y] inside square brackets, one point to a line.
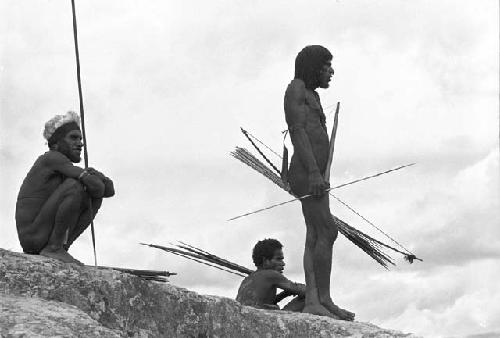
[23, 316]
[40, 297]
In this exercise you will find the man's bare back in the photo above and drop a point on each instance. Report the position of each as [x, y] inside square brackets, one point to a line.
[259, 288]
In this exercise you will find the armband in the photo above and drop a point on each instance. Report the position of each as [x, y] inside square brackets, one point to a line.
[83, 174]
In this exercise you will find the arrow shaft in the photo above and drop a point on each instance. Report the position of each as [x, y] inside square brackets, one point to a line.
[327, 190]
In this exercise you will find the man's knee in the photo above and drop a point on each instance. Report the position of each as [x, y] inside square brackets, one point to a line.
[332, 230]
[328, 231]
[334, 233]
[334, 225]
[328, 236]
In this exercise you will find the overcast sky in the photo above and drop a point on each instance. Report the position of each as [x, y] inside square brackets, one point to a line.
[167, 84]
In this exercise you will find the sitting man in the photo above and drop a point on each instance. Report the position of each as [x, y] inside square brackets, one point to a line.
[259, 288]
[57, 200]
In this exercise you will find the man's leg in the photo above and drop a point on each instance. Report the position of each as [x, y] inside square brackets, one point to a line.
[300, 184]
[62, 210]
[295, 305]
[317, 214]
[88, 211]
[311, 303]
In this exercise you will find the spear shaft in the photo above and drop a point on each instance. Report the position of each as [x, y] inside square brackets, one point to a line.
[82, 117]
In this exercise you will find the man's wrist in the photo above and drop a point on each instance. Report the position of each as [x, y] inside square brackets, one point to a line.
[83, 174]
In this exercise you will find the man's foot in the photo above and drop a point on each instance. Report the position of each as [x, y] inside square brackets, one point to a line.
[319, 310]
[59, 254]
[339, 312]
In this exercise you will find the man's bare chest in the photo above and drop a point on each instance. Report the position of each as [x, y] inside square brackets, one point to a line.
[314, 111]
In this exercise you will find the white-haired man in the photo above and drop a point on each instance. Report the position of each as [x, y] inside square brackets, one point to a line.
[53, 205]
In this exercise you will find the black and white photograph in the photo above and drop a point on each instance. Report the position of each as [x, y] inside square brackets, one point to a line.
[249, 168]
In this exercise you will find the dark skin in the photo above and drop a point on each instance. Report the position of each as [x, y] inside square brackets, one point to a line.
[306, 176]
[53, 207]
[259, 288]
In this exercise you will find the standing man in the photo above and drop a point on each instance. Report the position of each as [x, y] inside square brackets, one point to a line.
[57, 200]
[307, 125]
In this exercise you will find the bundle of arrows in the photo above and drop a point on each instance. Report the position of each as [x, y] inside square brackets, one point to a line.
[151, 275]
[201, 256]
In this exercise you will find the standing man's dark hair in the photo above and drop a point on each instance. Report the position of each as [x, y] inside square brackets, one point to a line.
[309, 63]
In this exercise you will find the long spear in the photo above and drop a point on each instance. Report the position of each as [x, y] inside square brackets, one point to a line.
[82, 117]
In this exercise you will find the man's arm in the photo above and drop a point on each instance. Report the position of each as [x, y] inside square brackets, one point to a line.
[295, 113]
[282, 295]
[289, 287]
[60, 163]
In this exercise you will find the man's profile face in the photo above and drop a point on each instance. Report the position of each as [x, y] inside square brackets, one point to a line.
[71, 145]
[277, 262]
[325, 75]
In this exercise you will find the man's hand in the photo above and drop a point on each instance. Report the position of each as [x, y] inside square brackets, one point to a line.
[109, 189]
[317, 184]
[95, 172]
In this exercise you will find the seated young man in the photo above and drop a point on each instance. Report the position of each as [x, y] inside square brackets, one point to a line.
[57, 200]
[259, 288]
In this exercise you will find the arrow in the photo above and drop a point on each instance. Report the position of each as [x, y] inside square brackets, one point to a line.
[327, 190]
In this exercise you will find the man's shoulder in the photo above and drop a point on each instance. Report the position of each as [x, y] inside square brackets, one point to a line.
[261, 273]
[52, 159]
[296, 90]
[270, 274]
[296, 85]
[56, 156]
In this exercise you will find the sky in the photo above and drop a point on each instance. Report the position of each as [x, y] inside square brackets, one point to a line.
[168, 84]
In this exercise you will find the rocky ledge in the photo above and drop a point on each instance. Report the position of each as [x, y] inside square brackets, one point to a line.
[40, 297]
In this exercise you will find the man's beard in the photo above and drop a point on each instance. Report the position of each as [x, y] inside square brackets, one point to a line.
[65, 149]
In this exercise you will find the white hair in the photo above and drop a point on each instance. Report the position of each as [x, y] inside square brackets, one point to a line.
[57, 121]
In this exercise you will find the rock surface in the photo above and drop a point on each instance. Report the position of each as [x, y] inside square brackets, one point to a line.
[40, 297]
[23, 316]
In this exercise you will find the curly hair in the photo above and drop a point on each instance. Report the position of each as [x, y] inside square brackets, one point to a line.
[265, 250]
[309, 62]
